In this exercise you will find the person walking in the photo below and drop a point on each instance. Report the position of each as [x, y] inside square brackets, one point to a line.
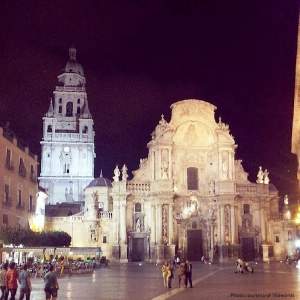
[25, 283]
[189, 268]
[182, 274]
[51, 284]
[164, 271]
[11, 281]
[2, 281]
[169, 274]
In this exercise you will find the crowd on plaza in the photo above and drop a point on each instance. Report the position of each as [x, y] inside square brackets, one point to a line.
[13, 277]
[183, 270]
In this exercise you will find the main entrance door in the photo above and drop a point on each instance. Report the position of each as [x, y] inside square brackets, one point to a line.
[194, 245]
[248, 250]
[138, 249]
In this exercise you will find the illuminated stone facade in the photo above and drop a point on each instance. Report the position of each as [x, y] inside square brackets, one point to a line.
[296, 116]
[18, 181]
[67, 160]
[190, 196]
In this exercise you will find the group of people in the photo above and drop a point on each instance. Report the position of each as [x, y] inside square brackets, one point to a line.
[11, 279]
[242, 266]
[182, 269]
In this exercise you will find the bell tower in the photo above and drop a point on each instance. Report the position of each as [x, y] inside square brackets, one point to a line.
[67, 162]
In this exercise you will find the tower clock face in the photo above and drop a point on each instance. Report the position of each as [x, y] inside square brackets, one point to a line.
[67, 149]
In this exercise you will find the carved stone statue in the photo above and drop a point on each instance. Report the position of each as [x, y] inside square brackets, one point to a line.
[266, 177]
[124, 173]
[286, 200]
[260, 175]
[117, 174]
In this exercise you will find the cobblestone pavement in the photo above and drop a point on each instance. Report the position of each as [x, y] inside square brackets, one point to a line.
[132, 281]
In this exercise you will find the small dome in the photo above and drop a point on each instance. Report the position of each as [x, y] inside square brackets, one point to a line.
[100, 182]
[72, 65]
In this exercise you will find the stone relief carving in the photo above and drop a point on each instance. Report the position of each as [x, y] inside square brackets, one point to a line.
[165, 223]
[227, 223]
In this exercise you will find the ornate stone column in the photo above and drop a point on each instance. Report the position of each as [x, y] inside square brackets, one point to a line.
[232, 225]
[263, 225]
[153, 225]
[222, 224]
[171, 233]
[158, 223]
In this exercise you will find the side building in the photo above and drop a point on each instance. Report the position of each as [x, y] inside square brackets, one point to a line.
[18, 181]
[67, 162]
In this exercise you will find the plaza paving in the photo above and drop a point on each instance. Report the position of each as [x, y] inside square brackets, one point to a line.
[132, 281]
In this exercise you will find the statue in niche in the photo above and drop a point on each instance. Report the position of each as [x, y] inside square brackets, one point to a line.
[117, 174]
[124, 173]
[138, 225]
[266, 177]
[225, 165]
[165, 164]
[260, 175]
[191, 135]
[286, 200]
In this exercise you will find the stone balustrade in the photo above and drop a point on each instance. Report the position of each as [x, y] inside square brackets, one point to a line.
[70, 89]
[105, 214]
[66, 136]
[138, 187]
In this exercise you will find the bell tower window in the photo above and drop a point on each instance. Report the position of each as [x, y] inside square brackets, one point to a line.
[85, 129]
[192, 179]
[60, 109]
[69, 109]
[67, 168]
[49, 128]
[78, 110]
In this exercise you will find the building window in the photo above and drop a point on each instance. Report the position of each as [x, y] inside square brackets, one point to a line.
[78, 101]
[8, 163]
[85, 129]
[5, 220]
[19, 204]
[6, 194]
[104, 239]
[78, 110]
[138, 207]
[32, 173]
[277, 239]
[49, 128]
[22, 169]
[59, 100]
[69, 109]
[192, 179]
[30, 203]
[60, 109]
[67, 168]
[246, 209]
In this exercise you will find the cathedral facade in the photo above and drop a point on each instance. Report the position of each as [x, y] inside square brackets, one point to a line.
[67, 159]
[190, 196]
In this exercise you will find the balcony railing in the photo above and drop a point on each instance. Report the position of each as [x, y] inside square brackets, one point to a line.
[32, 209]
[105, 215]
[9, 165]
[7, 202]
[20, 206]
[138, 187]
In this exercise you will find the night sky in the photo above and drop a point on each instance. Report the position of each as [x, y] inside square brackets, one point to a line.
[141, 56]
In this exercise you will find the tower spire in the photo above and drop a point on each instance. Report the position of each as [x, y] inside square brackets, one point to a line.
[50, 109]
[72, 53]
